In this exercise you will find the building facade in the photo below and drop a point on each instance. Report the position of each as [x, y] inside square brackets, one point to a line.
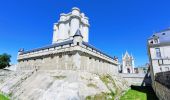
[69, 50]
[127, 63]
[143, 69]
[68, 24]
[159, 52]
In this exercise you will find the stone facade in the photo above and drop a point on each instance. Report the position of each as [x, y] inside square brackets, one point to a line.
[137, 79]
[159, 56]
[68, 24]
[68, 57]
[159, 52]
[127, 63]
[74, 53]
[162, 92]
[142, 69]
[162, 85]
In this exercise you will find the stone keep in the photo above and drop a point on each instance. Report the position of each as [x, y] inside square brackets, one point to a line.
[70, 50]
[68, 24]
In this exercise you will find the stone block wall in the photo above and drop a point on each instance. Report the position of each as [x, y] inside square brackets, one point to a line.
[162, 92]
[163, 78]
[162, 85]
[69, 58]
[137, 79]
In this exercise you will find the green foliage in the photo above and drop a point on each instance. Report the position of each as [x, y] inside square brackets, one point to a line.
[4, 60]
[107, 79]
[101, 96]
[2, 97]
[134, 95]
[139, 93]
[91, 85]
[59, 77]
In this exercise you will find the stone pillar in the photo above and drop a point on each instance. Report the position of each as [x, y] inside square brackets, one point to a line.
[63, 31]
[133, 65]
[85, 29]
[55, 33]
[75, 21]
[66, 62]
[76, 61]
[57, 60]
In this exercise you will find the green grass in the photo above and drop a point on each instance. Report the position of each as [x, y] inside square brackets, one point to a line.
[2, 97]
[101, 96]
[134, 95]
[107, 79]
[91, 85]
[139, 93]
[59, 77]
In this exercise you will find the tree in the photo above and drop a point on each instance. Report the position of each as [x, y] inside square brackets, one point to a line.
[4, 60]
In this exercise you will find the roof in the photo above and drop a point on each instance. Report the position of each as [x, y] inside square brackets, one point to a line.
[65, 43]
[89, 45]
[164, 35]
[49, 46]
[78, 33]
[127, 55]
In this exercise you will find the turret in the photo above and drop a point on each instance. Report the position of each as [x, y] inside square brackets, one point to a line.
[75, 21]
[56, 36]
[78, 38]
[20, 51]
[68, 25]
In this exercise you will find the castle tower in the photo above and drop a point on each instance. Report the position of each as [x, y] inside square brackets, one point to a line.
[68, 25]
[127, 63]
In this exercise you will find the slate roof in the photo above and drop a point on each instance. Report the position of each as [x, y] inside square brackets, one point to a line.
[78, 33]
[164, 36]
[49, 46]
[89, 45]
[65, 43]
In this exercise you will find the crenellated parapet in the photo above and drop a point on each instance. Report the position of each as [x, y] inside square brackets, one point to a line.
[68, 24]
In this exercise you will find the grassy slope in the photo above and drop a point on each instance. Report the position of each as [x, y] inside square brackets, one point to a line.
[2, 97]
[139, 93]
[134, 95]
[107, 79]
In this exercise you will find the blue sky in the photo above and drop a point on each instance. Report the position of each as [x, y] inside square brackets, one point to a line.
[115, 25]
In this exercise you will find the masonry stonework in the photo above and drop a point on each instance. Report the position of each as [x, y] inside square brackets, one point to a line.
[70, 50]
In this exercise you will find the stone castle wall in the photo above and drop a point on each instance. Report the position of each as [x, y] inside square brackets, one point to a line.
[137, 79]
[68, 57]
[162, 85]
[162, 92]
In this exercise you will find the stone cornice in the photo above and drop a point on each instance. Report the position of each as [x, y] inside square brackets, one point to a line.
[66, 49]
[70, 18]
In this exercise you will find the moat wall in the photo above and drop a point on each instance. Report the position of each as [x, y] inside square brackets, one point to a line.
[162, 85]
[137, 79]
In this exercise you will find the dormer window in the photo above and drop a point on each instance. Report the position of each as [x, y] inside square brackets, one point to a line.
[151, 42]
[163, 33]
[155, 41]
